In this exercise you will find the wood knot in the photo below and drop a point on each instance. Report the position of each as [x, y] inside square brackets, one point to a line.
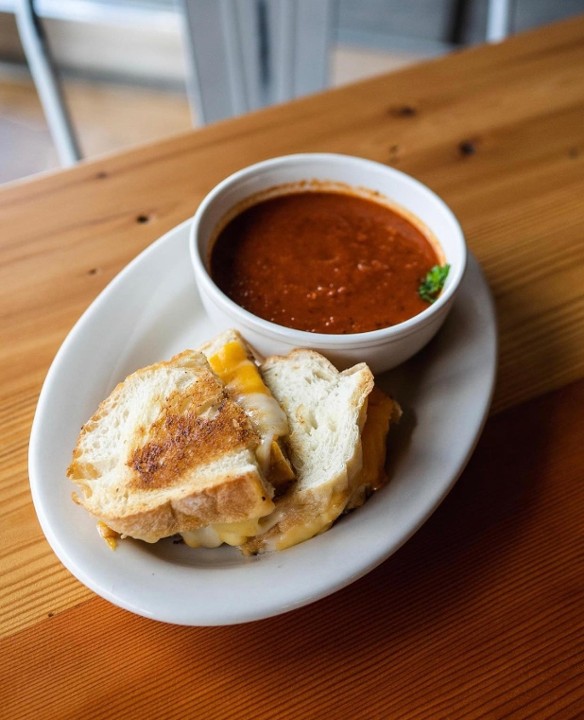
[404, 111]
[467, 147]
[394, 153]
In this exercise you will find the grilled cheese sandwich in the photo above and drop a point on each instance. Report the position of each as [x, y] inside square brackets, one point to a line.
[214, 448]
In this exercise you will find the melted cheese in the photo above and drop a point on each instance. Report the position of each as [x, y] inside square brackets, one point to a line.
[235, 533]
[242, 378]
[382, 411]
[311, 527]
[110, 536]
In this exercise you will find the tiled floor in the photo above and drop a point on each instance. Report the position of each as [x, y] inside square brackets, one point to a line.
[109, 117]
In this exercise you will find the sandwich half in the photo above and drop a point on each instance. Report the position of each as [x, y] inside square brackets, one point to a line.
[170, 451]
[327, 412]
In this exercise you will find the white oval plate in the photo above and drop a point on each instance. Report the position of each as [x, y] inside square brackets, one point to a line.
[151, 311]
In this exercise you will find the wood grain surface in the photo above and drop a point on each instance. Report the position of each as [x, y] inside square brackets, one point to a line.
[477, 616]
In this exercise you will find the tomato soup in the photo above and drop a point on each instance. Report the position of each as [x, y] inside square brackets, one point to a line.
[323, 261]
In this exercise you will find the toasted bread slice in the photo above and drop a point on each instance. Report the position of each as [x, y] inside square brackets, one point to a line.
[382, 412]
[233, 361]
[326, 411]
[169, 451]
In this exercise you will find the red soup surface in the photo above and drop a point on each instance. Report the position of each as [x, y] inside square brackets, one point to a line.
[326, 262]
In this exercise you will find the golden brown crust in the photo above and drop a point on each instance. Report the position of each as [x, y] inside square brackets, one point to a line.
[178, 442]
[236, 499]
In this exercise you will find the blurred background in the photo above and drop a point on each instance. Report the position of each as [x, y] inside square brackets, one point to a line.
[125, 66]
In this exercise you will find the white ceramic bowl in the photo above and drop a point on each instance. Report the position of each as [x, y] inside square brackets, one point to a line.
[381, 349]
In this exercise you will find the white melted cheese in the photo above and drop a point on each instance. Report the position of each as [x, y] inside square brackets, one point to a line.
[269, 420]
[235, 533]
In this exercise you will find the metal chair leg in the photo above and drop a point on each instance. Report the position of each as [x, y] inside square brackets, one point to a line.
[38, 56]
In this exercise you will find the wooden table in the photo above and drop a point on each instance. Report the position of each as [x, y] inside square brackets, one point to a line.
[480, 614]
